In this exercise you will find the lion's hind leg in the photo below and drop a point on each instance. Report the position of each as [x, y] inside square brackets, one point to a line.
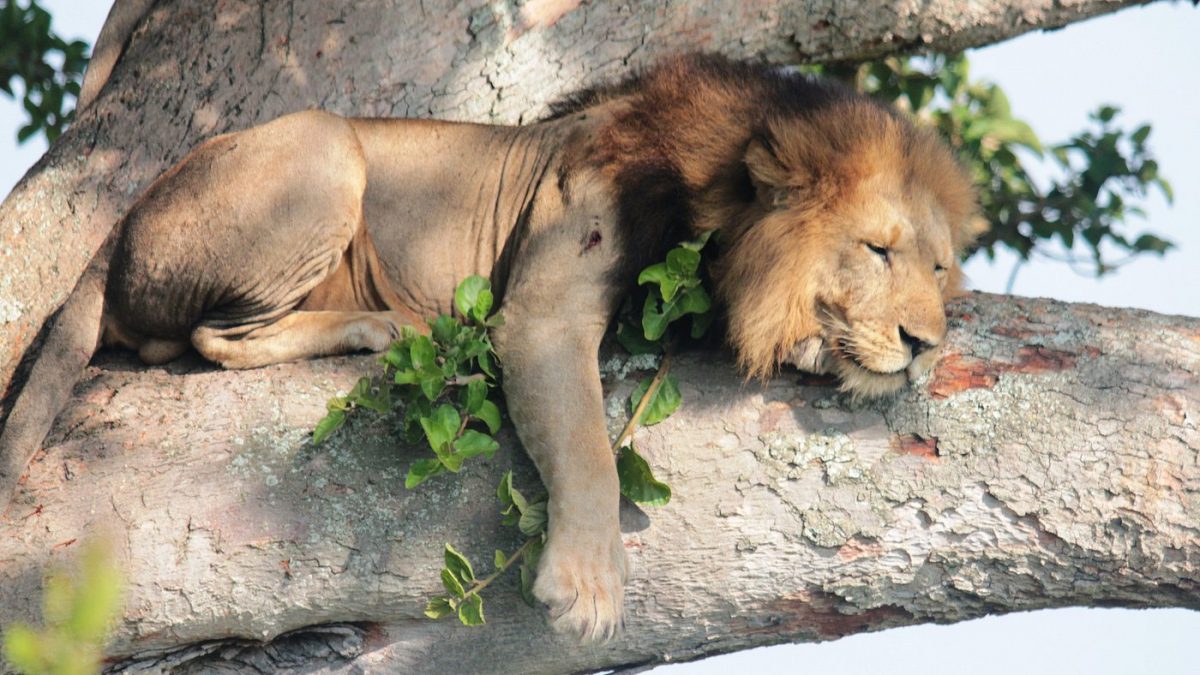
[298, 335]
[155, 352]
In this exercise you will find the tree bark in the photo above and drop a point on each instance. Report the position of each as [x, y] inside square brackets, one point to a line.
[194, 68]
[1050, 460]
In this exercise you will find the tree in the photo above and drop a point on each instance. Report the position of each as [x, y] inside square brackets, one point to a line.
[291, 564]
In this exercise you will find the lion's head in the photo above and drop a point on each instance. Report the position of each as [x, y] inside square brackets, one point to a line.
[844, 260]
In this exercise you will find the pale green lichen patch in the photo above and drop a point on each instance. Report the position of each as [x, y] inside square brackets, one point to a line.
[826, 480]
[619, 367]
[828, 528]
[835, 452]
[11, 309]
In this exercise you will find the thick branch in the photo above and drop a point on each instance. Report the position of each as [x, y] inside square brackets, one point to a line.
[193, 69]
[1051, 460]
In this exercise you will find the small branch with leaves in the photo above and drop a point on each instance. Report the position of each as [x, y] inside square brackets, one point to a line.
[442, 382]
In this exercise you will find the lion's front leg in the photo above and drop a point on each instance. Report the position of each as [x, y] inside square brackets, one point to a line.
[552, 385]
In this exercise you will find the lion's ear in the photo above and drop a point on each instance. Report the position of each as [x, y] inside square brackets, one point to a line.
[767, 174]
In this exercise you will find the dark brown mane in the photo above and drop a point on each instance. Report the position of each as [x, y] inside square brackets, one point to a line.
[780, 91]
[677, 144]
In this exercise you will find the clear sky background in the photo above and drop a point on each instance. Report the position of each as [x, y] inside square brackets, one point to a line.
[1144, 60]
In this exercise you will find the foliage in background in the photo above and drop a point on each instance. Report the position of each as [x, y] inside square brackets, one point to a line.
[78, 611]
[1089, 187]
[48, 68]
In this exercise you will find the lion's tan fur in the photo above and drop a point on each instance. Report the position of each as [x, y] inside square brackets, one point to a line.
[838, 228]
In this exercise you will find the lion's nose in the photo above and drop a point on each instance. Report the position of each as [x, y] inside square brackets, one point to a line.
[916, 344]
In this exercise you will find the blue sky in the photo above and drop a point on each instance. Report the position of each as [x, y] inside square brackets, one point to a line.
[1145, 60]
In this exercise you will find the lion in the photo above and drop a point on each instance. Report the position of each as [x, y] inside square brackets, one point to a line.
[838, 229]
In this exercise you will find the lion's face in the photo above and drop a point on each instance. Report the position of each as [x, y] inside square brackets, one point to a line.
[879, 311]
[844, 263]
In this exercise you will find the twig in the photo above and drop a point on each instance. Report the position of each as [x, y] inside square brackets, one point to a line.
[632, 425]
[480, 584]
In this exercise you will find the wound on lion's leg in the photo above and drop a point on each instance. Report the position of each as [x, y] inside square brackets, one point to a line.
[299, 335]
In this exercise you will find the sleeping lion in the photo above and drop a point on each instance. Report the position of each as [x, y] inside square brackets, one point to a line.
[838, 230]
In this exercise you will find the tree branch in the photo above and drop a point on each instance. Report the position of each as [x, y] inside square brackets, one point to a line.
[1050, 460]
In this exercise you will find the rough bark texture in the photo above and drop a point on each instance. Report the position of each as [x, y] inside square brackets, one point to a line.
[1051, 460]
[194, 68]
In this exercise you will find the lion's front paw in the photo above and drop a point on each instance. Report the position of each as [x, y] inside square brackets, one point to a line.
[810, 356]
[376, 331]
[583, 584]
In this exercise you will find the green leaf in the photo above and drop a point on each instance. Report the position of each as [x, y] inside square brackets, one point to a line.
[422, 353]
[634, 341]
[467, 295]
[654, 322]
[666, 400]
[458, 565]
[397, 356]
[533, 519]
[438, 608]
[510, 516]
[97, 597]
[997, 104]
[451, 583]
[510, 496]
[22, 649]
[472, 444]
[485, 364]
[452, 461]
[444, 329]
[697, 243]
[332, 421]
[504, 489]
[683, 262]
[654, 274]
[483, 305]
[476, 394]
[528, 565]
[499, 560]
[432, 384]
[1149, 242]
[421, 470]
[518, 500]
[638, 482]
[470, 611]
[361, 396]
[694, 301]
[489, 414]
[441, 427]
[361, 388]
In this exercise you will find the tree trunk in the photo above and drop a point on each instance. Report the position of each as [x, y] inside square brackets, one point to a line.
[1050, 460]
[195, 68]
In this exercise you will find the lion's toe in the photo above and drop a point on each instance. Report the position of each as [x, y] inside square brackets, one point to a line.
[584, 592]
